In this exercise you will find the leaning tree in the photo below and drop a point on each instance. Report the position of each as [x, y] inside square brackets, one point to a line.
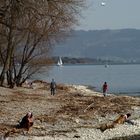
[28, 30]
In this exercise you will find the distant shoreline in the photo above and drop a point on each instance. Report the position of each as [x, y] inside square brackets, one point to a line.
[90, 61]
[82, 64]
[132, 94]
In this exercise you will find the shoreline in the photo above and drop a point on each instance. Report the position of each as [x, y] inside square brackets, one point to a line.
[74, 112]
[132, 94]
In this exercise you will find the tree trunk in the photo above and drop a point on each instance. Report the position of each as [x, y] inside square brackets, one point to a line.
[5, 69]
[10, 79]
[9, 54]
[19, 76]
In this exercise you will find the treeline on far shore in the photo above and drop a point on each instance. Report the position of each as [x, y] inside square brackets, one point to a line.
[80, 61]
[69, 61]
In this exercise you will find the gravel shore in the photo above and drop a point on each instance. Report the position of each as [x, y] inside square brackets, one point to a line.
[75, 112]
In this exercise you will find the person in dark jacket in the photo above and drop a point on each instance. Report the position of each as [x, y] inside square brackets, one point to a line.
[27, 121]
[53, 87]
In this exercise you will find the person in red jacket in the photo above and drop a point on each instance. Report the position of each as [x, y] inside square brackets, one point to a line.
[105, 87]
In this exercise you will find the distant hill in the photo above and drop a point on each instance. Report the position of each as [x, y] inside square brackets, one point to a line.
[121, 44]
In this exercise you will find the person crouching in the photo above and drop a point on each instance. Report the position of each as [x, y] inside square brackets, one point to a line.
[27, 121]
[122, 119]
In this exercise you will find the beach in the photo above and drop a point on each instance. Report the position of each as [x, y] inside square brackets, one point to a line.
[74, 112]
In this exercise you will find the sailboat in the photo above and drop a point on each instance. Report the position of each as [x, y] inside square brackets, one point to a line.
[106, 65]
[59, 63]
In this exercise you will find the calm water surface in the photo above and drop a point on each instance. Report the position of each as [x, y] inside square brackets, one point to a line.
[120, 78]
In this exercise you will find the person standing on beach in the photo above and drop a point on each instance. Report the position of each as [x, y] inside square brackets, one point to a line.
[105, 88]
[53, 87]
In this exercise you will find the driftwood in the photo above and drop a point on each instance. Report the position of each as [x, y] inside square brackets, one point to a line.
[88, 107]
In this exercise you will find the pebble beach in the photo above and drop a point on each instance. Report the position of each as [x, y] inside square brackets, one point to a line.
[75, 112]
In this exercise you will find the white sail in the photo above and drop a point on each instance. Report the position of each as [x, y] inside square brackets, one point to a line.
[106, 65]
[60, 63]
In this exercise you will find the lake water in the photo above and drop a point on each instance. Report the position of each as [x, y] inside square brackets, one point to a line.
[122, 79]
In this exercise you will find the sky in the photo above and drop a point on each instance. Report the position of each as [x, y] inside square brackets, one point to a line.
[115, 14]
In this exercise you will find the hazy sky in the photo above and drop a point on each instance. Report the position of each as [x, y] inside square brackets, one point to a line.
[116, 14]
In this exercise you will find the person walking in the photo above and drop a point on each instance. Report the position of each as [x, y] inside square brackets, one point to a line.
[53, 87]
[105, 88]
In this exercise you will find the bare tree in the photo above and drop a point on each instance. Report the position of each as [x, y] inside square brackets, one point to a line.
[28, 30]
